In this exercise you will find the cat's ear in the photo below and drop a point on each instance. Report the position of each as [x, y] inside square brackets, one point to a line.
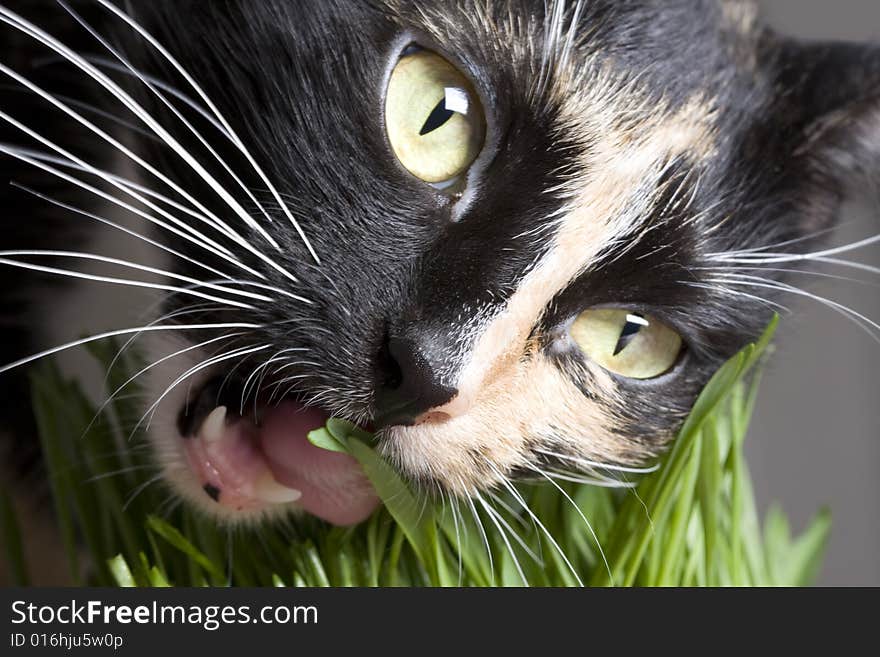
[831, 94]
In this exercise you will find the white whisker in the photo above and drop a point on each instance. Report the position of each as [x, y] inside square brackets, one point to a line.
[207, 217]
[276, 357]
[783, 270]
[737, 293]
[119, 227]
[525, 546]
[13, 19]
[194, 236]
[602, 466]
[140, 489]
[453, 509]
[590, 481]
[124, 184]
[513, 513]
[861, 320]
[167, 103]
[92, 109]
[483, 535]
[769, 258]
[128, 331]
[491, 513]
[848, 263]
[138, 267]
[204, 96]
[243, 351]
[512, 490]
[225, 278]
[775, 245]
[158, 362]
[120, 281]
[106, 62]
[189, 310]
[583, 517]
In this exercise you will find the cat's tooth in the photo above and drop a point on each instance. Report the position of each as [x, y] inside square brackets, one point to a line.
[269, 490]
[214, 426]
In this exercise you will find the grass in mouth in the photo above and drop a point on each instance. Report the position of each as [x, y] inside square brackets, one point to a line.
[692, 522]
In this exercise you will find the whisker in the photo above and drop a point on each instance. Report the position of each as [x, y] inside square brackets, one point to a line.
[738, 293]
[149, 38]
[244, 351]
[583, 517]
[140, 489]
[453, 508]
[589, 481]
[491, 513]
[525, 546]
[91, 109]
[120, 281]
[506, 483]
[166, 102]
[128, 331]
[209, 218]
[189, 310]
[119, 473]
[775, 245]
[861, 320]
[599, 465]
[770, 258]
[848, 263]
[123, 184]
[224, 282]
[513, 513]
[194, 235]
[136, 266]
[227, 279]
[130, 70]
[782, 270]
[26, 27]
[483, 535]
[119, 227]
[252, 376]
[156, 363]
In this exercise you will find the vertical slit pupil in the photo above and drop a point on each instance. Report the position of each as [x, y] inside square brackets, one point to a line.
[438, 116]
[629, 331]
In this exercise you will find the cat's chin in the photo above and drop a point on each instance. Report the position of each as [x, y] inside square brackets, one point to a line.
[240, 471]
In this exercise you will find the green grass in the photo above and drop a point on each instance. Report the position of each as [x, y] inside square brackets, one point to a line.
[693, 522]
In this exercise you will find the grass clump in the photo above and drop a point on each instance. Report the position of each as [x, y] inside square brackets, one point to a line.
[693, 522]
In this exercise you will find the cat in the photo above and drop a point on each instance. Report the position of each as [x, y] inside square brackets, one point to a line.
[514, 238]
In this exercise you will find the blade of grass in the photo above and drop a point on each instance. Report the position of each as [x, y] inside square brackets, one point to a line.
[13, 546]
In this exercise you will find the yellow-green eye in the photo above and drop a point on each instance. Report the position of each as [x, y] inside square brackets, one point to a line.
[626, 343]
[434, 119]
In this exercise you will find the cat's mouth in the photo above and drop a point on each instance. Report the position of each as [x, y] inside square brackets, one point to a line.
[263, 461]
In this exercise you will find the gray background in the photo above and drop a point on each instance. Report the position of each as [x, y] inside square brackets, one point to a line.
[816, 436]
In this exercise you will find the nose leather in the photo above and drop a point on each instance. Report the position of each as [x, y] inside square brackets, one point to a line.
[414, 387]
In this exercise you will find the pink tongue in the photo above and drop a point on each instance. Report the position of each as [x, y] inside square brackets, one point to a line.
[333, 486]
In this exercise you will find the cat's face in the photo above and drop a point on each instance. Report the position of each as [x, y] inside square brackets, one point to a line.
[493, 231]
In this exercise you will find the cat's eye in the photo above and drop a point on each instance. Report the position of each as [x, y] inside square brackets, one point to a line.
[632, 345]
[433, 117]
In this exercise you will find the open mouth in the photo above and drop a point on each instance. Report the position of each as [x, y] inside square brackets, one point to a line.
[264, 461]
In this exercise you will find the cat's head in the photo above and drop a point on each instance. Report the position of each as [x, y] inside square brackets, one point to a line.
[513, 237]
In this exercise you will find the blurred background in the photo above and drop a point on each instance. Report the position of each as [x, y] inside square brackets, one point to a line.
[815, 440]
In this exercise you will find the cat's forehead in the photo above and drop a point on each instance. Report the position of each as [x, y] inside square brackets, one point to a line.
[596, 111]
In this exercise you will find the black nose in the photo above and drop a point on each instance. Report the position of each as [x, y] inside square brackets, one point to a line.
[411, 384]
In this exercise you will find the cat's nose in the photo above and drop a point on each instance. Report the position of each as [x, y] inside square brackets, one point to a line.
[412, 385]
